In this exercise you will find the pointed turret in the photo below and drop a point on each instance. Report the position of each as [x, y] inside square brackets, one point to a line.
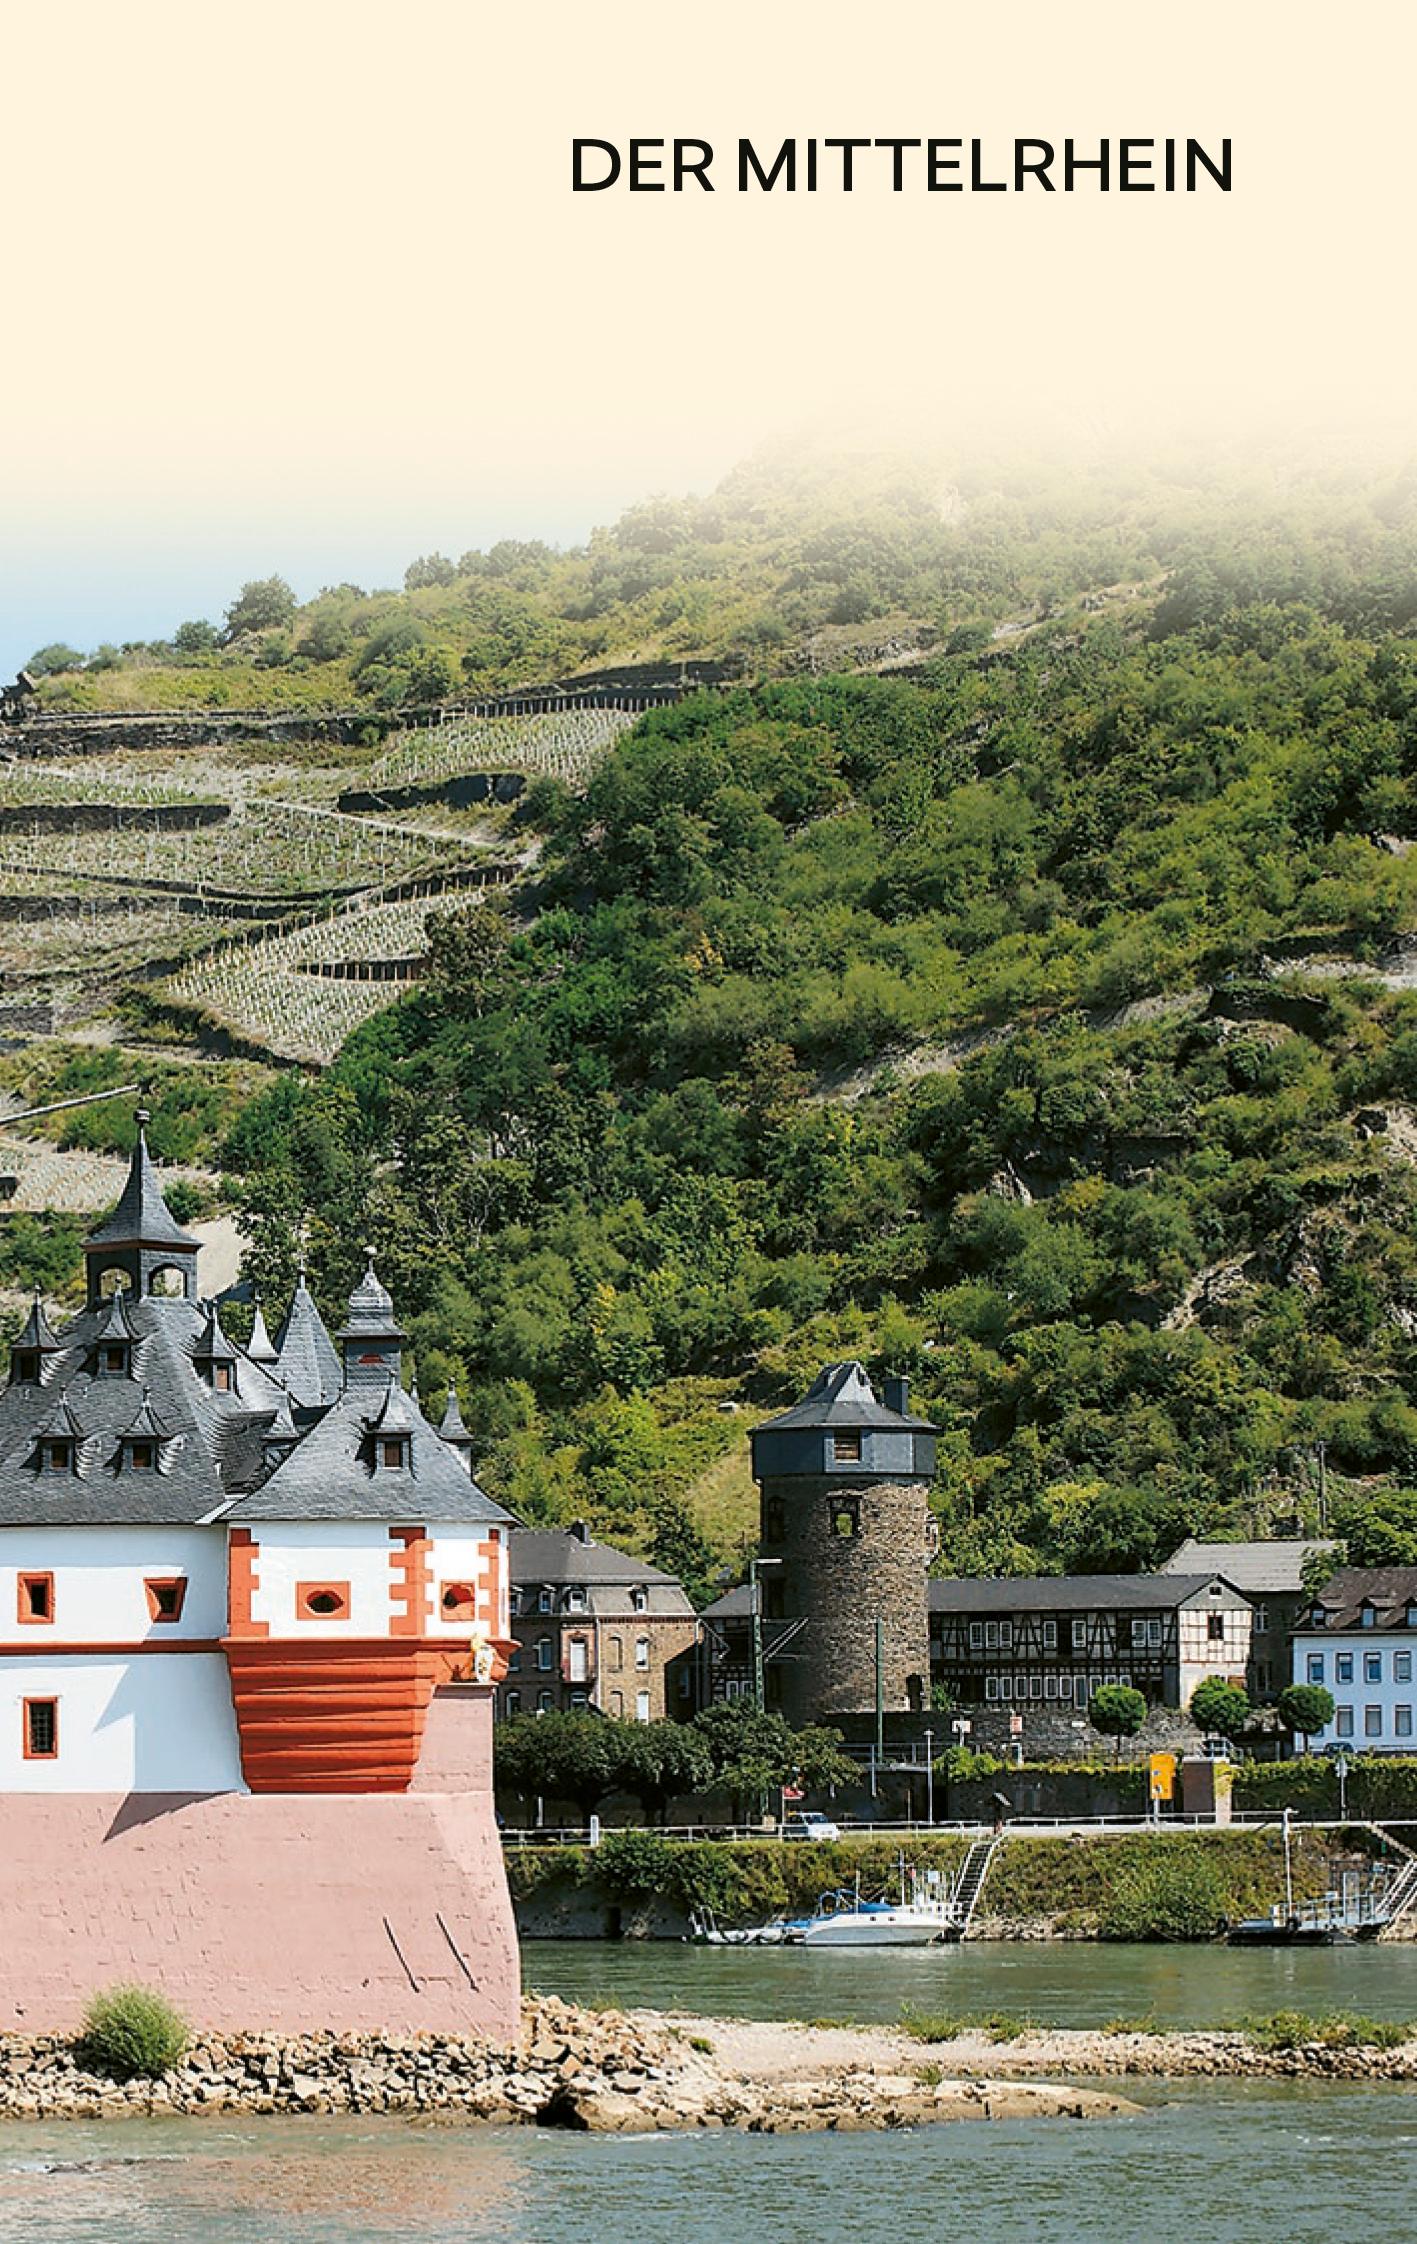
[371, 1335]
[454, 1432]
[34, 1347]
[305, 1354]
[260, 1347]
[142, 1238]
[214, 1356]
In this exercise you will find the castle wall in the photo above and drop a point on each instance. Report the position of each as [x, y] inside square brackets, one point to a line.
[152, 1722]
[99, 1574]
[844, 1583]
[288, 1913]
[394, 1577]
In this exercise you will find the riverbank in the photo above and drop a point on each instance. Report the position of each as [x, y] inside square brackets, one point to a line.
[592, 2072]
[1175, 1883]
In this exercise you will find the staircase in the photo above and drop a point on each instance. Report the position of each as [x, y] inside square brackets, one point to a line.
[970, 1884]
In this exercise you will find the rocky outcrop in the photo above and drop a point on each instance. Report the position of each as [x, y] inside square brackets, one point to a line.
[596, 2072]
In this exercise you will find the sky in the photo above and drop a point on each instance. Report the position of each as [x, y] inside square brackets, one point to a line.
[306, 289]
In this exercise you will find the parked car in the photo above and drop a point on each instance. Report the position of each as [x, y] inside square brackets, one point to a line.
[809, 1826]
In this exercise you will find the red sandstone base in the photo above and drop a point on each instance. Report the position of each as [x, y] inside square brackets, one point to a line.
[280, 1911]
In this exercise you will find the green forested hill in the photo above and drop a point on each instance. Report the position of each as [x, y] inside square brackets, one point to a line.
[1038, 1025]
[793, 563]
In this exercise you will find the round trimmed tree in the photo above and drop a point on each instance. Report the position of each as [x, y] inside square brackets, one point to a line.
[1117, 1711]
[1220, 1709]
[1305, 1708]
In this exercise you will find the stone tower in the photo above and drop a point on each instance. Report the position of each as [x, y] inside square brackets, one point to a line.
[844, 1482]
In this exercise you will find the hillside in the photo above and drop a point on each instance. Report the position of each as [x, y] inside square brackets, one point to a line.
[1041, 1021]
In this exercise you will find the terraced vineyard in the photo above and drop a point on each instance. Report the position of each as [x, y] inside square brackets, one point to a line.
[118, 896]
[566, 745]
[270, 989]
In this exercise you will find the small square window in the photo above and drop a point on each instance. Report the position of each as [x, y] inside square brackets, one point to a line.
[391, 1452]
[115, 1359]
[41, 1731]
[322, 1601]
[59, 1456]
[140, 1456]
[166, 1595]
[35, 1601]
[26, 1365]
[221, 1378]
[845, 1519]
[846, 1449]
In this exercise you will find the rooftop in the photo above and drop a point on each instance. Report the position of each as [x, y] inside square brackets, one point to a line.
[841, 1395]
[1273, 1568]
[1072, 1593]
[1387, 1590]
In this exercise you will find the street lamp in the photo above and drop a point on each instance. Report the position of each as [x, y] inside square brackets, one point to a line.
[756, 1592]
[929, 1776]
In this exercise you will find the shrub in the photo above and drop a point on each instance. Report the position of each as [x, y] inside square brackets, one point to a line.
[1294, 2029]
[131, 2033]
[635, 1863]
[1170, 1897]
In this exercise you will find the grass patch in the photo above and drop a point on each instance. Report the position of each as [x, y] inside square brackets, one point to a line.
[952, 2025]
[1335, 2029]
[1144, 2025]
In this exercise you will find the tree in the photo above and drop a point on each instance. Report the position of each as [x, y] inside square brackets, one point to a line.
[1305, 1708]
[1220, 1709]
[265, 604]
[573, 1757]
[1117, 1711]
[753, 1752]
[49, 661]
[196, 637]
[659, 1761]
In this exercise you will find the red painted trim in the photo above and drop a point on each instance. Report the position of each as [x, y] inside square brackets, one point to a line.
[29, 1752]
[24, 1611]
[242, 1582]
[177, 1583]
[89, 1646]
[333, 1714]
[408, 1563]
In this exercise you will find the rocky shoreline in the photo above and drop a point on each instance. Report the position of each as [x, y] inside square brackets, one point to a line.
[599, 2072]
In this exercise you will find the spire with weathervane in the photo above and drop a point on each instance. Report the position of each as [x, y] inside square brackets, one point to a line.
[142, 1240]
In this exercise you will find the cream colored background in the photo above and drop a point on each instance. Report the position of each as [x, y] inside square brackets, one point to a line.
[304, 286]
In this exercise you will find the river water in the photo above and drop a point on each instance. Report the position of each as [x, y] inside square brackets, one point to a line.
[1226, 2162]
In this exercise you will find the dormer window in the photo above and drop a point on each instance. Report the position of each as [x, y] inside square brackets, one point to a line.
[1318, 1618]
[1367, 1614]
[639, 1601]
[393, 1452]
[113, 1359]
[24, 1366]
[575, 1601]
[142, 1456]
[543, 1601]
[57, 1456]
[1411, 1616]
[221, 1378]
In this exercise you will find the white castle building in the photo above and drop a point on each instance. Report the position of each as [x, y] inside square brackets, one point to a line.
[258, 1607]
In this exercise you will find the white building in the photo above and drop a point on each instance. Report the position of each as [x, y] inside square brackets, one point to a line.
[1358, 1639]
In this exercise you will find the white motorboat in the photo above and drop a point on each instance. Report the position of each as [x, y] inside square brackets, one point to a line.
[920, 1916]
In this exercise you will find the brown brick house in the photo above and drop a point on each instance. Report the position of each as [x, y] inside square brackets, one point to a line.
[594, 1627]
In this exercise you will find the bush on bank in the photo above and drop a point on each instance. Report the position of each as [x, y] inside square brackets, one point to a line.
[1099, 1885]
[131, 2033]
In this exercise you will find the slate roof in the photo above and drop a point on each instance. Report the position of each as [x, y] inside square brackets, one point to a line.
[1389, 1589]
[260, 1347]
[1070, 1593]
[305, 1354]
[452, 1430]
[841, 1395]
[142, 1216]
[559, 1557]
[209, 1443]
[333, 1473]
[1260, 1569]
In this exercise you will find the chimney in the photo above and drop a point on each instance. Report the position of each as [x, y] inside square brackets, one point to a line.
[580, 1530]
[896, 1391]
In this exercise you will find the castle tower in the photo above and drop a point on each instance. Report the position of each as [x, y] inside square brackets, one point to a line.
[844, 1481]
[142, 1242]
